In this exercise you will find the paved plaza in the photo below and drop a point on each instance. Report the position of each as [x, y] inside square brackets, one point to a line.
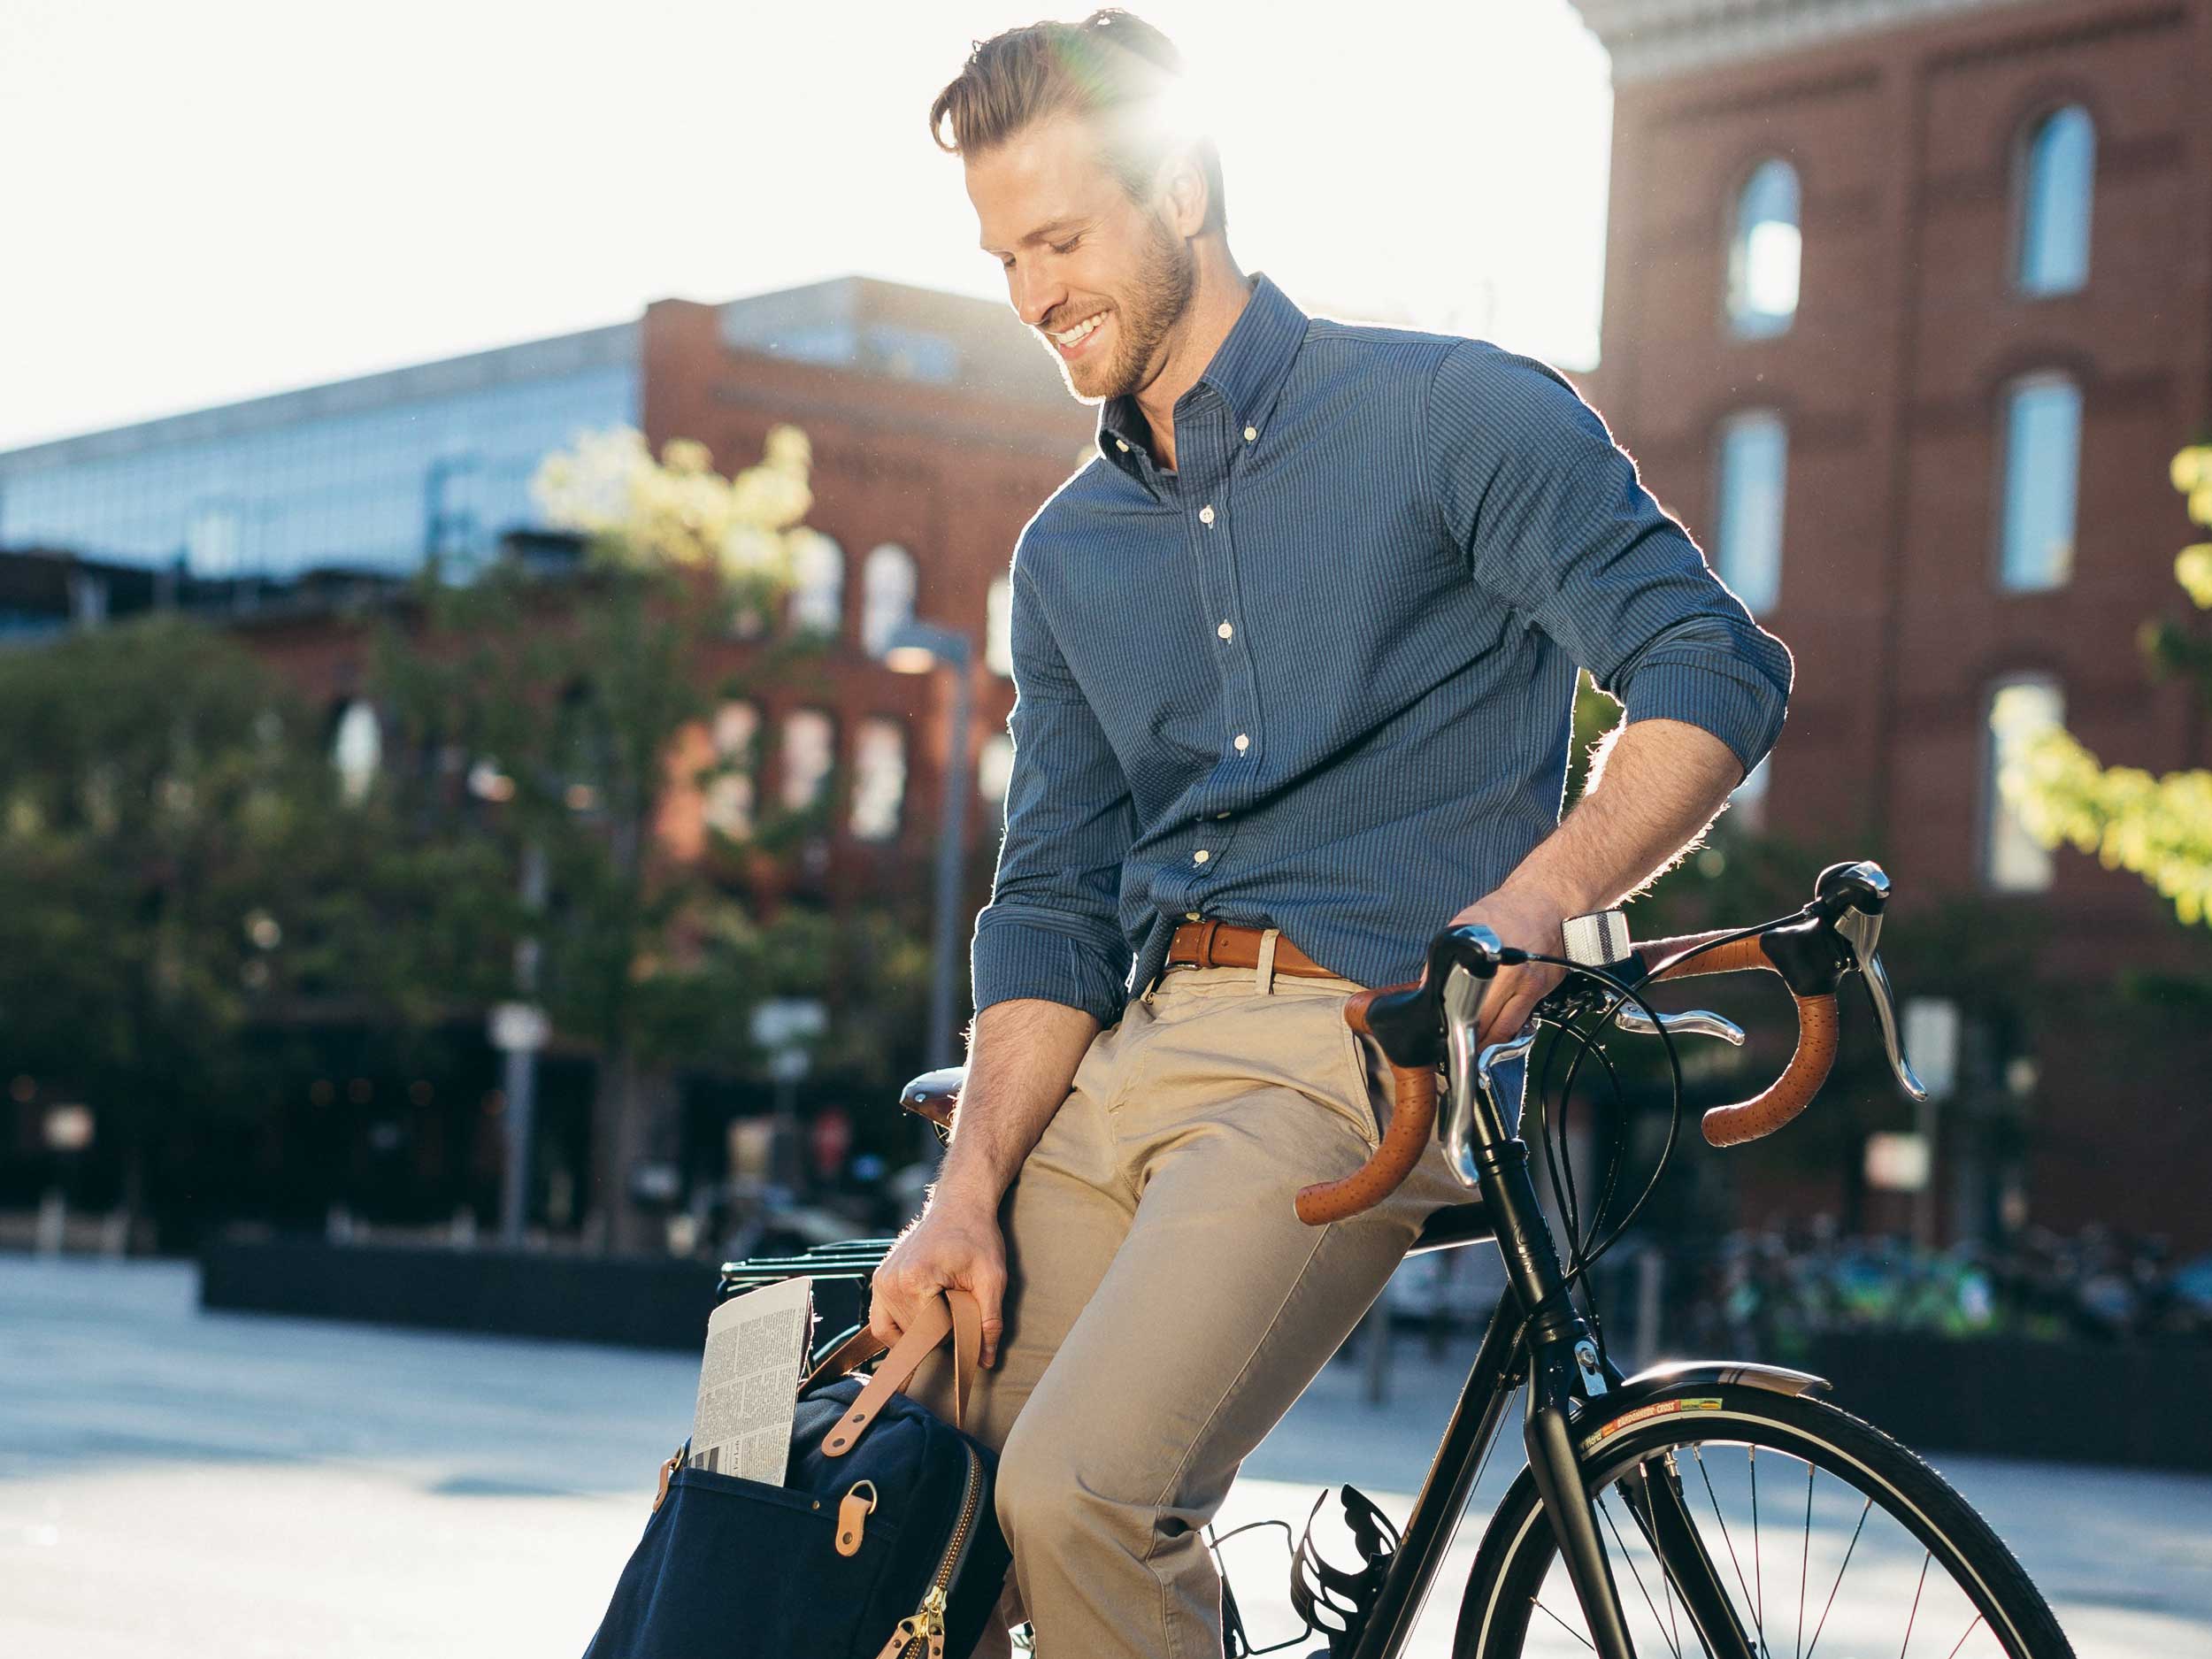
[176, 1485]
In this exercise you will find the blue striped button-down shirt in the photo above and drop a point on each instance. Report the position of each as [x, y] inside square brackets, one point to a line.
[1321, 675]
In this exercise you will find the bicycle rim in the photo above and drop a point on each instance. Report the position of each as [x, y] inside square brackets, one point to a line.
[1824, 1536]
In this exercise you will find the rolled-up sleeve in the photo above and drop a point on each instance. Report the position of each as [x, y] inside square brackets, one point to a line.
[1554, 521]
[1051, 929]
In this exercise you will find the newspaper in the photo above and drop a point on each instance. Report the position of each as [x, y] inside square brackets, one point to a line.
[749, 1382]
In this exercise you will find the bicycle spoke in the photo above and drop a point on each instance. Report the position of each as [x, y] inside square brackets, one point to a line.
[1840, 1571]
[1912, 1618]
[1614, 1529]
[1698, 1456]
[1805, 1559]
[1562, 1624]
[1758, 1573]
[1970, 1629]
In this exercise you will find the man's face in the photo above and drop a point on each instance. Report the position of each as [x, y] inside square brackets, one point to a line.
[1105, 281]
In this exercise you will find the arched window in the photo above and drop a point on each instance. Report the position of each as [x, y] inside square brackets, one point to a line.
[998, 628]
[2058, 166]
[887, 602]
[817, 590]
[879, 779]
[2020, 708]
[1748, 539]
[1763, 252]
[2042, 451]
[357, 750]
[810, 749]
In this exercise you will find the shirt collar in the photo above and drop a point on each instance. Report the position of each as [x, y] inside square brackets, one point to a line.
[1247, 370]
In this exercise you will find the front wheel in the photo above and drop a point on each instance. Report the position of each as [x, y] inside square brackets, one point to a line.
[1752, 1525]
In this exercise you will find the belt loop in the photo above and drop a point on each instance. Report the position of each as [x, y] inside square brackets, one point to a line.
[1206, 931]
[1266, 970]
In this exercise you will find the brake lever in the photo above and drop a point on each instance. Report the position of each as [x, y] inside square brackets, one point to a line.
[1692, 1022]
[1863, 891]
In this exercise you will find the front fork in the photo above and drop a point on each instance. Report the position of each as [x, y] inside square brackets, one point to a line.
[1564, 1368]
[1555, 1382]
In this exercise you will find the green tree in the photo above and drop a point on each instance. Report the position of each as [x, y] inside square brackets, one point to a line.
[2158, 828]
[167, 828]
[549, 718]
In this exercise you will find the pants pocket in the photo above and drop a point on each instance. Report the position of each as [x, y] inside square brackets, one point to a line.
[1358, 1086]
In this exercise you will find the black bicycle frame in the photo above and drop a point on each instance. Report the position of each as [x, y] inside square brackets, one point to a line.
[1535, 1334]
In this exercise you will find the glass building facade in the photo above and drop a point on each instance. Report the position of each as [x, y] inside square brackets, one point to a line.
[368, 474]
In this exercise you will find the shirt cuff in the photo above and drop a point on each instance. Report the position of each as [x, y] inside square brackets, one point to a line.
[1019, 955]
[1730, 699]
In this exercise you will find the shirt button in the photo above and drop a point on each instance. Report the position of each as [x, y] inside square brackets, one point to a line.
[1243, 742]
[1122, 445]
[1190, 915]
[1221, 815]
[1202, 854]
[1251, 433]
[1225, 630]
[1206, 515]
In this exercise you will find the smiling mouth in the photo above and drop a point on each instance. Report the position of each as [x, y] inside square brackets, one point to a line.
[1070, 339]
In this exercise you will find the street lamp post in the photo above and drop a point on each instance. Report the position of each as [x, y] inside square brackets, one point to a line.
[916, 648]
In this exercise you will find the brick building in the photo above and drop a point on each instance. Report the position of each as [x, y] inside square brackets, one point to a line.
[1909, 306]
[937, 426]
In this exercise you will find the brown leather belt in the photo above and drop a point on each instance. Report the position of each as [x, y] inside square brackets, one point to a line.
[1219, 944]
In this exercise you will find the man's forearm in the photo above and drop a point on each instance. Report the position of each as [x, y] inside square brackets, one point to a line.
[1654, 790]
[1022, 1056]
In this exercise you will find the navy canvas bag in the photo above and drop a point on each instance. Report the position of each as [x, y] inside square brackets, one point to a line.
[882, 1544]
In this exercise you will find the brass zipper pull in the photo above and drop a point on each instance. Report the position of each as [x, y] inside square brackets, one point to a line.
[925, 1625]
[852, 1516]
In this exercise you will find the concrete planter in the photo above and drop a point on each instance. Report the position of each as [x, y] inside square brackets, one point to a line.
[2147, 1404]
[638, 1301]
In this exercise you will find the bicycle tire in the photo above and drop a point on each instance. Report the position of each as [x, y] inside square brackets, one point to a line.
[1516, 1575]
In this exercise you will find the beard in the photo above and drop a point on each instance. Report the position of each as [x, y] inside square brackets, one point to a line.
[1167, 276]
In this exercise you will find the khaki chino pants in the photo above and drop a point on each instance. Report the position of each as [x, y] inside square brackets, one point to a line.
[1165, 1306]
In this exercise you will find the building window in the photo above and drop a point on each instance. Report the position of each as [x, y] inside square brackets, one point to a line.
[1747, 804]
[995, 768]
[212, 542]
[2042, 450]
[879, 779]
[357, 750]
[998, 628]
[817, 590]
[2057, 181]
[2020, 710]
[1763, 252]
[810, 748]
[887, 584]
[1748, 541]
[729, 803]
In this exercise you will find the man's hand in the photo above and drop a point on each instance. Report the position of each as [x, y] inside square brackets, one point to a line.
[954, 1244]
[1531, 921]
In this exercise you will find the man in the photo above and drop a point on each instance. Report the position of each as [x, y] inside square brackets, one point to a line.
[1295, 659]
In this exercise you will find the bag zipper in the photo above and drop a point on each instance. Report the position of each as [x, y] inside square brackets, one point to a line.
[924, 1627]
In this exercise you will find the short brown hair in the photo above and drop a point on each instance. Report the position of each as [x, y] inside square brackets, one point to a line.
[1113, 67]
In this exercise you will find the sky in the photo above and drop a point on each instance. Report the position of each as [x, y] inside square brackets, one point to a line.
[211, 201]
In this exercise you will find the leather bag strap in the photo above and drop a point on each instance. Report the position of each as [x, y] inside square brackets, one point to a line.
[956, 1312]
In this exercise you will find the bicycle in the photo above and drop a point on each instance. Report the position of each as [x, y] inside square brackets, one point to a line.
[1602, 1544]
